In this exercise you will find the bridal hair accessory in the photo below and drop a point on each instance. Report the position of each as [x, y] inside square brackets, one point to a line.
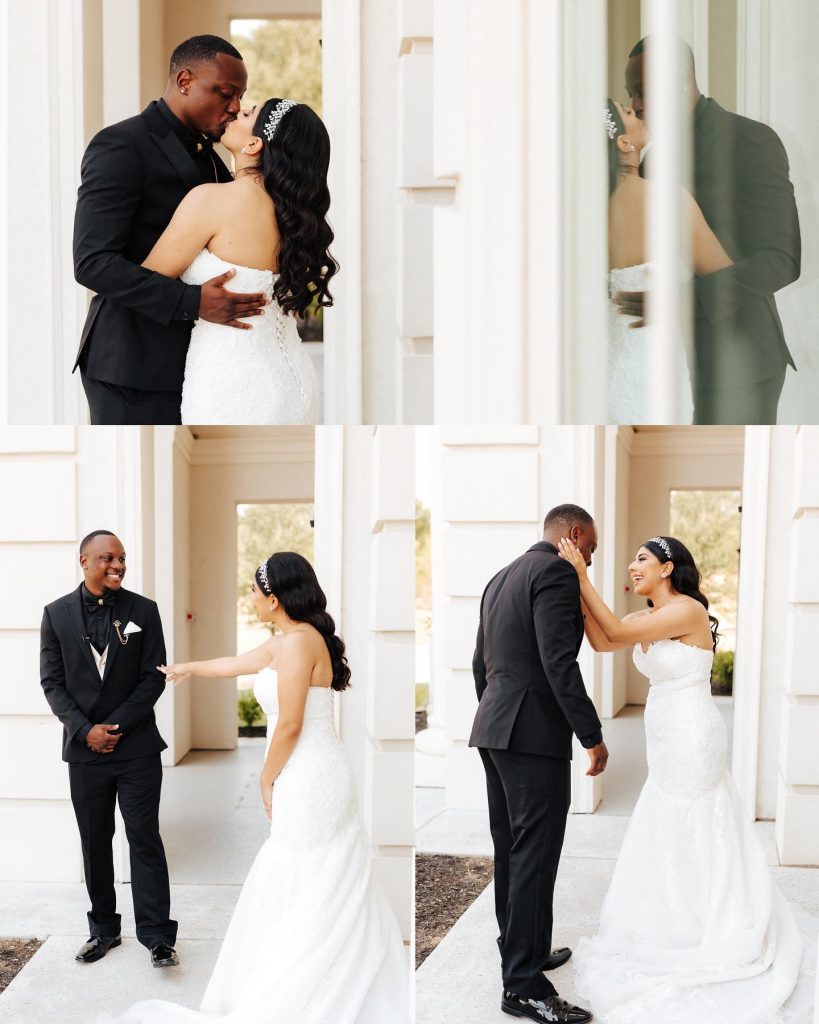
[262, 573]
[610, 123]
[661, 542]
[276, 114]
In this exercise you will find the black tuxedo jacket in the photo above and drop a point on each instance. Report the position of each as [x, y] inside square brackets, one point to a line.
[531, 696]
[742, 185]
[134, 175]
[128, 690]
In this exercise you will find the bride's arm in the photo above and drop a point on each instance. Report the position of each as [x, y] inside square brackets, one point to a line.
[191, 228]
[707, 252]
[218, 668]
[667, 623]
[595, 635]
[293, 671]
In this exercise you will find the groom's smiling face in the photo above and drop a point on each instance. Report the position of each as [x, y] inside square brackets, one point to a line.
[103, 563]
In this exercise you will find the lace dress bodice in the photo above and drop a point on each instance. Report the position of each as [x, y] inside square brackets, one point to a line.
[629, 356]
[234, 376]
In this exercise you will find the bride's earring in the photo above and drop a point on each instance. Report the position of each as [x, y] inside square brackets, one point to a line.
[244, 149]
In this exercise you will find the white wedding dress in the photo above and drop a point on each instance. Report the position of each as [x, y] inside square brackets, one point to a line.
[313, 939]
[629, 358]
[693, 929]
[260, 376]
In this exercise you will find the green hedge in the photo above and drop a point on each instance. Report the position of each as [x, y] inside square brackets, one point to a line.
[722, 673]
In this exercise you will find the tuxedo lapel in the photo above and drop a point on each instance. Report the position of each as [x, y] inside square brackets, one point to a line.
[123, 603]
[171, 146]
[76, 627]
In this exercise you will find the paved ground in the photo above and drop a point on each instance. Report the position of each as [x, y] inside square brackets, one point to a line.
[212, 826]
[460, 981]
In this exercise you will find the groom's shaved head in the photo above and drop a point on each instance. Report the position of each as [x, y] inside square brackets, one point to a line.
[563, 517]
[200, 50]
[576, 524]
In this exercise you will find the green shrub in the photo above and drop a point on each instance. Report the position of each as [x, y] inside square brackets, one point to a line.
[250, 710]
[421, 696]
[722, 673]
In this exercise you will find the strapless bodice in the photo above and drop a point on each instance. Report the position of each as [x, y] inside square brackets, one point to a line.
[319, 703]
[207, 264]
[672, 664]
[629, 279]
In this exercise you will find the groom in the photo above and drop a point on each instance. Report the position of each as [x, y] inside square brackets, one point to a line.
[741, 182]
[99, 648]
[531, 698]
[134, 175]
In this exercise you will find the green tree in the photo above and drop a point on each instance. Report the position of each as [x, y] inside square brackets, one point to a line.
[283, 58]
[264, 529]
[708, 523]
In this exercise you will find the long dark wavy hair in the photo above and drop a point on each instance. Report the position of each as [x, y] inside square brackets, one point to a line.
[615, 157]
[293, 581]
[294, 167]
[685, 577]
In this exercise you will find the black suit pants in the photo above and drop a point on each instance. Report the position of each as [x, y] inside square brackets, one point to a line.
[529, 798]
[136, 783]
[756, 402]
[116, 405]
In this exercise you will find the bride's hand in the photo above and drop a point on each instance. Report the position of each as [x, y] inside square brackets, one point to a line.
[174, 673]
[568, 550]
[266, 786]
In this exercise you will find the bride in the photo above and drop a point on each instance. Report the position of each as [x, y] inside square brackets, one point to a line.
[693, 929]
[267, 231]
[630, 341]
[312, 937]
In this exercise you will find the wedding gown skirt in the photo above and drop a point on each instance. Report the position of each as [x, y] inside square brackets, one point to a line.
[693, 929]
[313, 939]
[260, 376]
[629, 359]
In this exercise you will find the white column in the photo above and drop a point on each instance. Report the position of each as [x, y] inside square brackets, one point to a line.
[669, 307]
[797, 804]
[365, 537]
[43, 48]
[497, 264]
[360, 102]
[420, 193]
[584, 200]
[121, 39]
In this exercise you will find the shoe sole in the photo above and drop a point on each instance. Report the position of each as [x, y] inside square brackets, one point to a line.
[519, 1013]
[167, 963]
[79, 960]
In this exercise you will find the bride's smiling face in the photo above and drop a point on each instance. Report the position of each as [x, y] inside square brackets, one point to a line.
[239, 133]
[646, 572]
[636, 134]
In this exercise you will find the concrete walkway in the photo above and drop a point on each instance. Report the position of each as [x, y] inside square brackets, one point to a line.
[460, 980]
[212, 826]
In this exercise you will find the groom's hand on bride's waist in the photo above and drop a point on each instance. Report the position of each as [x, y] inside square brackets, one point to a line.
[220, 306]
[598, 756]
[632, 304]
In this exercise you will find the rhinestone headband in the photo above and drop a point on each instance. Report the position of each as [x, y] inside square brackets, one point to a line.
[610, 123]
[262, 574]
[275, 116]
[661, 542]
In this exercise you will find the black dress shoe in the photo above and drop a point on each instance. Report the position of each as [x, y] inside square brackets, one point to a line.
[557, 959]
[553, 1008]
[96, 948]
[163, 955]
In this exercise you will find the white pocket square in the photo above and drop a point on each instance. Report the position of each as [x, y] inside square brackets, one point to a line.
[132, 627]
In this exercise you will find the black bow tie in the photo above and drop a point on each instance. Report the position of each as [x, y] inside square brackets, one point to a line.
[92, 601]
[196, 144]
